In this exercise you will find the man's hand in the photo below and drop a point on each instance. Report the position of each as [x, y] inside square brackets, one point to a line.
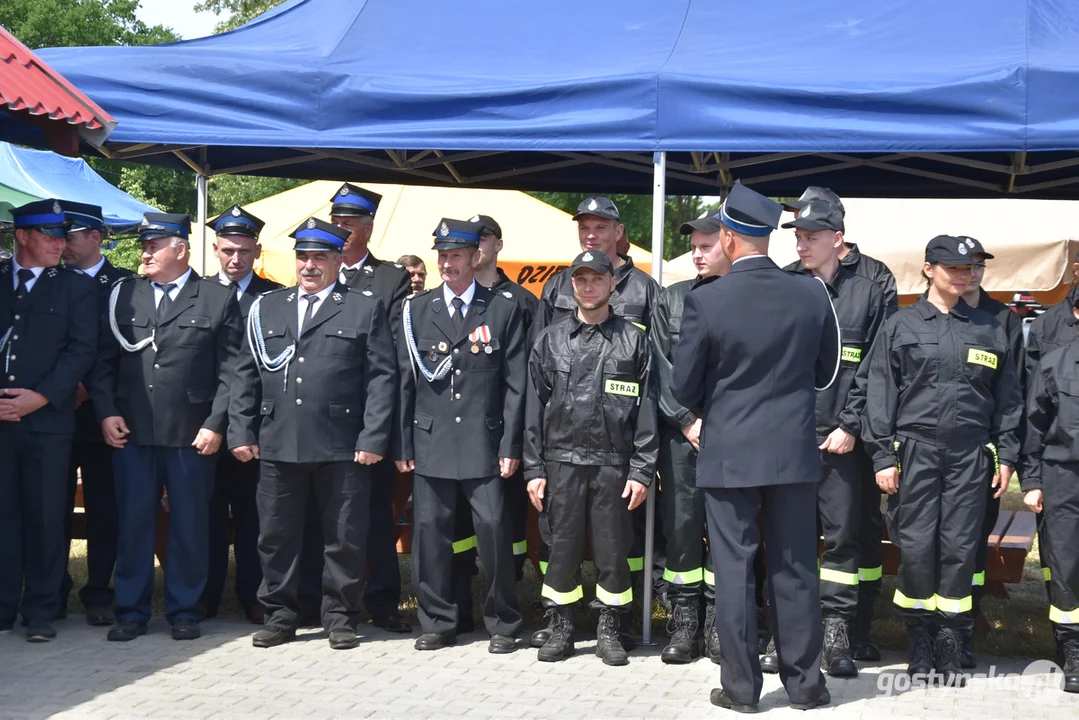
[405, 466]
[207, 442]
[16, 403]
[246, 453]
[508, 466]
[693, 434]
[840, 442]
[1033, 500]
[81, 395]
[636, 492]
[888, 480]
[367, 458]
[536, 490]
[115, 431]
[1001, 479]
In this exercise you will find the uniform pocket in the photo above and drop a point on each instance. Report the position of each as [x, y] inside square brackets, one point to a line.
[193, 330]
[1068, 404]
[340, 341]
[345, 424]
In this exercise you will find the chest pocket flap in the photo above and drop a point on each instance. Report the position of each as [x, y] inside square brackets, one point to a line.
[194, 321]
[341, 331]
[137, 321]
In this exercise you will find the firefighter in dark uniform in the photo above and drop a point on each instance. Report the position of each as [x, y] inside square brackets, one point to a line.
[688, 572]
[1050, 483]
[758, 448]
[871, 569]
[90, 456]
[314, 400]
[235, 483]
[943, 409]
[461, 354]
[1013, 328]
[353, 208]
[590, 451]
[846, 468]
[161, 391]
[490, 275]
[48, 340]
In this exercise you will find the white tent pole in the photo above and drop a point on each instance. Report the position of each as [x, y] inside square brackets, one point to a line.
[659, 205]
[198, 259]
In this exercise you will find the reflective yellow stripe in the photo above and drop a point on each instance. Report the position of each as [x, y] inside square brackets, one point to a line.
[871, 574]
[464, 545]
[901, 600]
[1063, 617]
[636, 564]
[683, 577]
[954, 605]
[851, 354]
[520, 548]
[981, 357]
[1047, 574]
[642, 327]
[838, 576]
[979, 579]
[543, 566]
[618, 387]
[996, 458]
[709, 577]
[562, 598]
[611, 599]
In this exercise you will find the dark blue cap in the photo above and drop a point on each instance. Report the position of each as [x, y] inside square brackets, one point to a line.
[454, 234]
[749, 213]
[81, 216]
[950, 250]
[351, 200]
[816, 192]
[315, 234]
[46, 216]
[236, 221]
[160, 225]
[600, 207]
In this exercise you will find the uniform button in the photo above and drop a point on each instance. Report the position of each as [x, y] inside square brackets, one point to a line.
[455, 351]
[338, 332]
[14, 337]
[151, 387]
[457, 396]
[16, 317]
[299, 380]
[299, 401]
[415, 422]
[11, 378]
[132, 319]
[457, 372]
[13, 357]
[347, 411]
[457, 419]
[301, 359]
[156, 366]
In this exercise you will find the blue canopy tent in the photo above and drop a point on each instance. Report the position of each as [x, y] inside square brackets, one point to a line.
[35, 174]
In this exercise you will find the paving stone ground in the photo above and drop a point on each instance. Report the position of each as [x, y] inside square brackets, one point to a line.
[81, 675]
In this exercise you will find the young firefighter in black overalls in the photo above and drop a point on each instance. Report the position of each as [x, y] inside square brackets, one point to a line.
[942, 413]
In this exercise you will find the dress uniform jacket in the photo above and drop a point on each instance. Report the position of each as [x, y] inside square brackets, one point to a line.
[1054, 328]
[633, 299]
[166, 395]
[336, 396]
[256, 287]
[457, 427]
[748, 435]
[387, 281]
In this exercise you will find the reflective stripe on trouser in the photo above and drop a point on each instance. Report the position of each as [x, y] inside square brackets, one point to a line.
[585, 501]
[684, 529]
[937, 521]
[1060, 498]
[839, 511]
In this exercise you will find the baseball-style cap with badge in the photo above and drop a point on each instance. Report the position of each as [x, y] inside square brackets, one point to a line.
[353, 201]
[45, 216]
[600, 207]
[315, 234]
[164, 225]
[815, 192]
[596, 261]
[236, 221]
[706, 222]
[81, 216]
[749, 213]
[818, 215]
[949, 250]
[456, 234]
[488, 225]
[975, 247]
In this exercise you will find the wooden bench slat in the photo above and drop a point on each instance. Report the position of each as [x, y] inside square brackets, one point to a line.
[1021, 532]
[1004, 521]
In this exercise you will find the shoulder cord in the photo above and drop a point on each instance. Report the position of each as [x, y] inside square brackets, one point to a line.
[443, 368]
[137, 347]
[257, 344]
[4, 344]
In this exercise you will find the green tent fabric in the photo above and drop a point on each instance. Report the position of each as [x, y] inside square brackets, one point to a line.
[12, 198]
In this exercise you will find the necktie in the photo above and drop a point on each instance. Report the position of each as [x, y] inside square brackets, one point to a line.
[25, 276]
[349, 273]
[459, 315]
[166, 298]
[310, 311]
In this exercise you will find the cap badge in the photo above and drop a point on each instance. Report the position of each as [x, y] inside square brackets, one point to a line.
[235, 212]
[311, 224]
[145, 222]
[56, 207]
[962, 249]
[593, 205]
[344, 191]
[970, 243]
[443, 229]
[474, 218]
[587, 257]
[806, 211]
[704, 214]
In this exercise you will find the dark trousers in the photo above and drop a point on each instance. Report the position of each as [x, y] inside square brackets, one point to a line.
[141, 472]
[33, 498]
[94, 459]
[989, 522]
[585, 502]
[341, 491]
[1060, 498]
[790, 533]
[840, 509]
[434, 502]
[688, 570]
[937, 520]
[235, 486]
[871, 558]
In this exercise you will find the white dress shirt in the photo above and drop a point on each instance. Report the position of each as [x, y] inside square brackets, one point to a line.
[466, 296]
[241, 286]
[357, 267]
[178, 284]
[301, 306]
[93, 271]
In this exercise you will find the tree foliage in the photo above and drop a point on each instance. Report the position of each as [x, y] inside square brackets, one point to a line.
[237, 12]
[71, 23]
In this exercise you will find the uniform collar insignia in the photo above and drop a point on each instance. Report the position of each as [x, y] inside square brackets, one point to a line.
[337, 297]
[103, 279]
[291, 297]
[507, 294]
[368, 269]
[5, 268]
[52, 272]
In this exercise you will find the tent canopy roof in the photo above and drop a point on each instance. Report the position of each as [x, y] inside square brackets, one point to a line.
[311, 87]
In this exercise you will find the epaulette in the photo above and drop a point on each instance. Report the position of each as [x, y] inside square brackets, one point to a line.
[417, 294]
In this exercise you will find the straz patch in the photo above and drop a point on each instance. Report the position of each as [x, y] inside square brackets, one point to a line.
[617, 387]
[981, 357]
[851, 354]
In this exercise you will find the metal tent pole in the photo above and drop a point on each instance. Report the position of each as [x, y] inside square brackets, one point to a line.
[659, 204]
[198, 260]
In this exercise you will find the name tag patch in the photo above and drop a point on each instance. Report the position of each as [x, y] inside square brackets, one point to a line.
[617, 387]
[981, 357]
[851, 354]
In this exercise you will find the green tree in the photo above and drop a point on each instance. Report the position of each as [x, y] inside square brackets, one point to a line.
[237, 12]
[226, 190]
[71, 23]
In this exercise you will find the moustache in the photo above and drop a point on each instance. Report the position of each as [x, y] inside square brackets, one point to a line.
[311, 273]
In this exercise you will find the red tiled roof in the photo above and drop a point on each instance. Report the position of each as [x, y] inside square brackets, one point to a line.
[28, 84]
